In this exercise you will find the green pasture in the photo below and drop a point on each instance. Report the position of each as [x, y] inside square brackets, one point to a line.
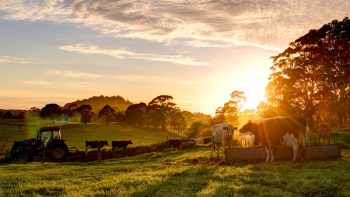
[172, 173]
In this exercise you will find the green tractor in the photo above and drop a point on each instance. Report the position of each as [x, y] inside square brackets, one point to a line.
[48, 143]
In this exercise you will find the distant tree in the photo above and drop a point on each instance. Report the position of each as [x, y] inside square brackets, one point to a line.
[85, 113]
[52, 111]
[119, 117]
[198, 129]
[266, 111]
[107, 114]
[177, 121]
[238, 97]
[7, 115]
[229, 112]
[70, 109]
[158, 111]
[135, 114]
[34, 109]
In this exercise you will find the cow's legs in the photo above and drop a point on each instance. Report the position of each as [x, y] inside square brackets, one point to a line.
[267, 155]
[86, 151]
[218, 152]
[295, 153]
[271, 155]
[294, 144]
[212, 150]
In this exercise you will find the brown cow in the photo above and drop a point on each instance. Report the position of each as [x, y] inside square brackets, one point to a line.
[271, 132]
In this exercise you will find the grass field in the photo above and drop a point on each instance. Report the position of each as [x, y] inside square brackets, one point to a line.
[76, 134]
[176, 173]
[172, 173]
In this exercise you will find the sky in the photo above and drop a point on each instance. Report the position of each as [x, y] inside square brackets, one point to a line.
[197, 51]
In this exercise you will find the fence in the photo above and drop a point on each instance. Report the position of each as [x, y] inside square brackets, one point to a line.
[319, 147]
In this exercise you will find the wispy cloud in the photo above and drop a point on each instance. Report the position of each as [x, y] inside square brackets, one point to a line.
[153, 78]
[13, 60]
[121, 54]
[36, 82]
[73, 74]
[264, 22]
[60, 85]
[208, 43]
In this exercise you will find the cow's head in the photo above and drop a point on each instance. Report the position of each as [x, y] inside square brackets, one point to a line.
[230, 129]
[129, 142]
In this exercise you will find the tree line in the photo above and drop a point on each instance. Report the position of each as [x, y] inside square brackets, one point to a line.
[160, 113]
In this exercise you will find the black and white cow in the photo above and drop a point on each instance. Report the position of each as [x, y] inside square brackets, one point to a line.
[94, 145]
[270, 132]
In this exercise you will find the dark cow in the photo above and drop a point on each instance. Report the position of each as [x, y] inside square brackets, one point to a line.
[176, 143]
[206, 140]
[94, 145]
[120, 144]
[271, 132]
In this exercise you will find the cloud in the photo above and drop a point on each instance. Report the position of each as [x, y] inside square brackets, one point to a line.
[263, 22]
[121, 54]
[207, 44]
[56, 85]
[37, 83]
[13, 60]
[73, 74]
[153, 78]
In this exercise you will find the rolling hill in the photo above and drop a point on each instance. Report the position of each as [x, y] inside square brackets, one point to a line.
[98, 102]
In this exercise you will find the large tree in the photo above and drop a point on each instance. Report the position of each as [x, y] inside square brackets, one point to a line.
[50, 111]
[177, 121]
[311, 77]
[85, 113]
[229, 111]
[159, 110]
[135, 114]
[107, 113]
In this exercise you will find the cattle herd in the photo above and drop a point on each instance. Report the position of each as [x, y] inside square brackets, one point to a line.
[267, 133]
[98, 144]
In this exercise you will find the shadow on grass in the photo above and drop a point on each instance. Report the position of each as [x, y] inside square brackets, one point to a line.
[185, 183]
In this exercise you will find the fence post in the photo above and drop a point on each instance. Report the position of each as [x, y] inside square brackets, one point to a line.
[99, 151]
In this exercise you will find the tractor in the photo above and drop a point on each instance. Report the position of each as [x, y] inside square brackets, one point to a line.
[48, 143]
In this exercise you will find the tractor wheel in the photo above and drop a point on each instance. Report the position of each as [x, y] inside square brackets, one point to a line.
[59, 152]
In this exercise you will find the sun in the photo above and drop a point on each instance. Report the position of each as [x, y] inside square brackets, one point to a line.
[255, 93]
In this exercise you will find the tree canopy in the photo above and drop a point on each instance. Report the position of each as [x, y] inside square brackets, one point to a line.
[311, 77]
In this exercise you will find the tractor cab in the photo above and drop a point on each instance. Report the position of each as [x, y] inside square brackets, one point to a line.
[48, 134]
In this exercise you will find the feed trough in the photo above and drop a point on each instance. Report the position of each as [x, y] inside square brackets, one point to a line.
[320, 147]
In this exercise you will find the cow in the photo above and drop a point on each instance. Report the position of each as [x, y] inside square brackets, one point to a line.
[201, 140]
[270, 132]
[206, 140]
[120, 144]
[94, 145]
[176, 143]
[247, 139]
[221, 135]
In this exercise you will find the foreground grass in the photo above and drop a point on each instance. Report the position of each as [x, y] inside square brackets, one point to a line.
[176, 173]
